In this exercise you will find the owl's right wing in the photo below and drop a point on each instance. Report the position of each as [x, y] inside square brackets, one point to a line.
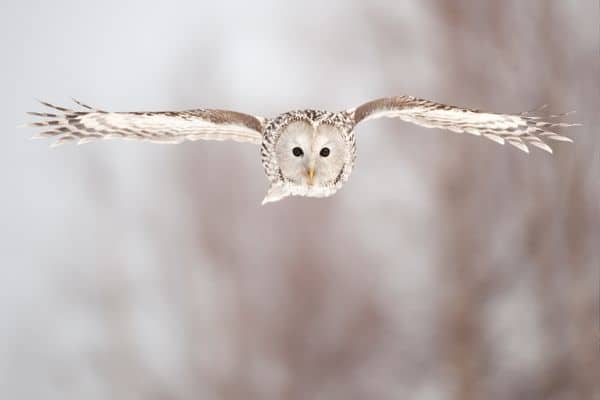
[91, 124]
[519, 130]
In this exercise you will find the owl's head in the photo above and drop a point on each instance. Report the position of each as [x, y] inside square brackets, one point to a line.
[310, 155]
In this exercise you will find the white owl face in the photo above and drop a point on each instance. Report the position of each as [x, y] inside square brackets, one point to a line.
[311, 156]
[312, 160]
[307, 153]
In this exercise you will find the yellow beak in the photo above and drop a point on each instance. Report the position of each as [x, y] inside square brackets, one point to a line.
[311, 174]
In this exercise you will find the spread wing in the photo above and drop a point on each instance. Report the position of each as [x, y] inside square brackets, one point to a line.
[66, 125]
[518, 130]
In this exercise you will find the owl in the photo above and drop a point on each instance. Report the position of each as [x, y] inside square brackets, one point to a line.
[304, 153]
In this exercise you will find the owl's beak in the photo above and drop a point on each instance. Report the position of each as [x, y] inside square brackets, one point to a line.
[311, 174]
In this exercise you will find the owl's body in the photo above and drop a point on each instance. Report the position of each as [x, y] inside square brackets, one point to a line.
[304, 153]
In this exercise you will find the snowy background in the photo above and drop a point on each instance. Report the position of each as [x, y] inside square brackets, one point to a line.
[447, 268]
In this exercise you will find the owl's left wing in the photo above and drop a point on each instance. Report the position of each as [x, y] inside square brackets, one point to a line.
[90, 124]
[518, 130]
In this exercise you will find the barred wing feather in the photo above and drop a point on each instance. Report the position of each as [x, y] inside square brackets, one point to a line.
[91, 124]
[519, 130]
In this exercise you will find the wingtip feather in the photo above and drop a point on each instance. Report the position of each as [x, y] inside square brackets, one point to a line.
[560, 138]
[53, 106]
[519, 145]
[542, 146]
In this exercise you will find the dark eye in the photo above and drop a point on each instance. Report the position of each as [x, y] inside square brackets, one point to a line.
[324, 152]
[297, 151]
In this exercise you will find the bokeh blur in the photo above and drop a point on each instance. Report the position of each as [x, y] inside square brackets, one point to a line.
[448, 267]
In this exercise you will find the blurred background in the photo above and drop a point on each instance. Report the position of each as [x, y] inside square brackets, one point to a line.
[447, 268]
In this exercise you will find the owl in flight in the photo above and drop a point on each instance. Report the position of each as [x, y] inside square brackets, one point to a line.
[305, 152]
